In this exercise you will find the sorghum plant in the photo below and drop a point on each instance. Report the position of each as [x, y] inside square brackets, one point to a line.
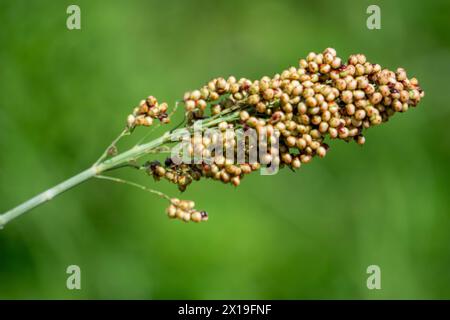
[302, 108]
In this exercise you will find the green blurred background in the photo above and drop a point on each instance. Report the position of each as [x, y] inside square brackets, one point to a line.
[311, 234]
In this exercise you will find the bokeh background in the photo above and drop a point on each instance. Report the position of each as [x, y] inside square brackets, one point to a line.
[65, 94]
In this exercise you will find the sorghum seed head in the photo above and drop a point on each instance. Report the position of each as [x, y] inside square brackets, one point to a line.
[322, 98]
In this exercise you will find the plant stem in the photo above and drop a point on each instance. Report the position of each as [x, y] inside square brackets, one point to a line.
[95, 170]
[103, 165]
[113, 144]
[46, 196]
[134, 184]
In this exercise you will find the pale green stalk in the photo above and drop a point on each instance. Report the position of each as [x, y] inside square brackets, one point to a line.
[103, 165]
